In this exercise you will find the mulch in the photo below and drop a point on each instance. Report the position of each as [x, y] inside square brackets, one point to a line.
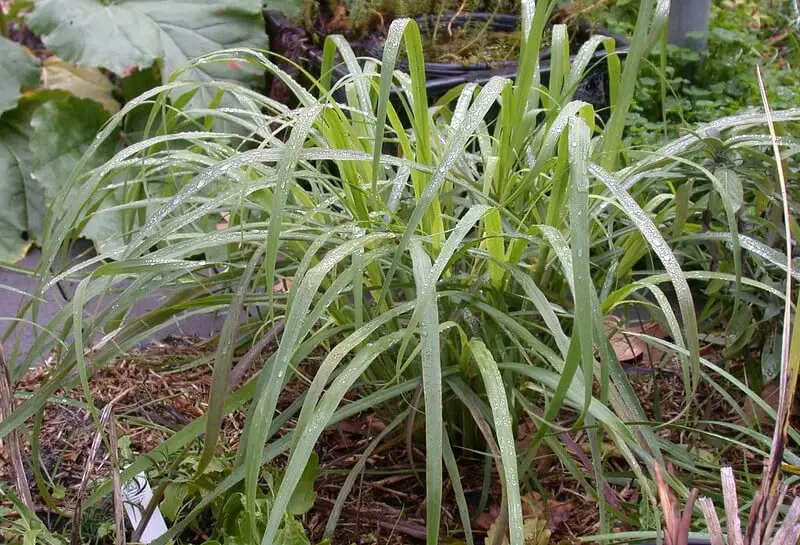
[158, 390]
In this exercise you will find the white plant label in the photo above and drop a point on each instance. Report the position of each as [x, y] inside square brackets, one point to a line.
[136, 494]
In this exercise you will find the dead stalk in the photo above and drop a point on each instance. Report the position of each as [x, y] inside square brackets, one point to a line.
[119, 515]
[13, 440]
[105, 417]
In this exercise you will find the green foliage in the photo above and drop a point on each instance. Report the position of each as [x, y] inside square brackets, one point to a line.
[18, 69]
[22, 220]
[41, 141]
[701, 88]
[125, 36]
[476, 264]
[19, 526]
[232, 520]
[467, 250]
[62, 131]
[140, 42]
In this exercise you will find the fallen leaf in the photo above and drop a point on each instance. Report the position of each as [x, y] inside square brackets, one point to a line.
[226, 218]
[630, 348]
[533, 506]
[552, 511]
[558, 512]
[534, 531]
[544, 460]
[282, 286]
[82, 82]
[485, 520]
[770, 393]
[366, 425]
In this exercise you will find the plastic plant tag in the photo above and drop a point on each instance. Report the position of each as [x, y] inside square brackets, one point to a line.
[136, 494]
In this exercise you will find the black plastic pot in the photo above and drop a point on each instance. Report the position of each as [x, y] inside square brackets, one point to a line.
[296, 43]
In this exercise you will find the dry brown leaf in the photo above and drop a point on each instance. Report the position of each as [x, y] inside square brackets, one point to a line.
[82, 82]
[366, 425]
[226, 218]
[770, 393]
[534, 531]
[552, 511]
[485, 520]
[558, 513]
[630, 348]
[282, 286]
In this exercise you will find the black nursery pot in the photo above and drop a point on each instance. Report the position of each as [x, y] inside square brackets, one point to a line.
[296, 43]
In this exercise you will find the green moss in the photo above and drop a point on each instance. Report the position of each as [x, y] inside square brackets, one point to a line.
[471, 44]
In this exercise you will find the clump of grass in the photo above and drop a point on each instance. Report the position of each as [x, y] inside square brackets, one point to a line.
[432, 249]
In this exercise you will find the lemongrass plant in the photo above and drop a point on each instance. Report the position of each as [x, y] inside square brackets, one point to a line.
[466, 250]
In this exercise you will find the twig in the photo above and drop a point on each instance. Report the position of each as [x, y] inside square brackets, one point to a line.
[453, 18]
[411, 529]
[75, 537]
[712, 521]
[677, 524]
[773, 520]
[119, 513]
[686, 519]
[6, 408]
[731, 503]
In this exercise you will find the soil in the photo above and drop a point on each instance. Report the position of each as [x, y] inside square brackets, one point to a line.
[164, 386]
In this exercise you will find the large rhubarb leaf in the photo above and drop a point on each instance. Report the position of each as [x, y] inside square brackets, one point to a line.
[62, 130]
[18, 69]
[125, 34]
[22, 216]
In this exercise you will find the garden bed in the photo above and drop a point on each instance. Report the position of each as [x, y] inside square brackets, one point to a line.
[468, 48]
[161, 388]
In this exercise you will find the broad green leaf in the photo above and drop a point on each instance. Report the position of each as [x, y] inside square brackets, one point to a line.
[81, 82]
[62, 130]
[129, 34]
[731, 181]
[174, 496]
[739, 329]
[18, 69]
[139, 82]
[22, 219]
[292, 533]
